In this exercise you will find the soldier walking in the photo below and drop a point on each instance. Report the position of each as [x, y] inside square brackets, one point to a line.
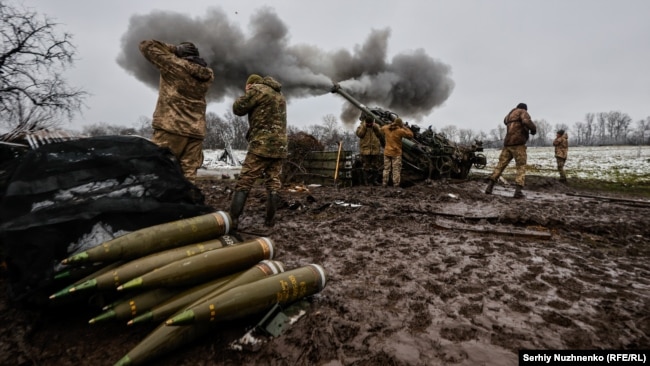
[266, 108]
[561, 144]
[179, 118]
[518, 127]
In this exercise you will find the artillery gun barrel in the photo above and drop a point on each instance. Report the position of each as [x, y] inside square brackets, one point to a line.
[336, 88]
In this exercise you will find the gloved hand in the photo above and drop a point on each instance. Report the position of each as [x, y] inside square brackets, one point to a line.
[186, 49]
[533, 132]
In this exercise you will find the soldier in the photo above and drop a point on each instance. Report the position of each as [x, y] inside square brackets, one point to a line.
[179, 118]
[266, 108]
[369, 148]
[519, 126]
[561, 144]
[393, 134]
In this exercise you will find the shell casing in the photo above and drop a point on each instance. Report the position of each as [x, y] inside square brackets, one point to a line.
[156, 238]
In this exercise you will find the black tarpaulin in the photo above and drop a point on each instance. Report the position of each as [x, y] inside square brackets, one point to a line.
[58, 192]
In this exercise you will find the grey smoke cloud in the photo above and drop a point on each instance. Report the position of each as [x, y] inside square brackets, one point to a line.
[411, 84]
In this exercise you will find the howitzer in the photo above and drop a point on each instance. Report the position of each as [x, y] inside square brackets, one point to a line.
[427, 155]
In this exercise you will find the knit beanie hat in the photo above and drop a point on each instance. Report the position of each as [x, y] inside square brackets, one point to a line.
[253, 79]
[522, 106]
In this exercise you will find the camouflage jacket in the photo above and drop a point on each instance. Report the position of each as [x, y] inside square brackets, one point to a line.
[181, 95]
[518, 127]
[267, 118]
[369, 143]
[561, 146]
[393, 136]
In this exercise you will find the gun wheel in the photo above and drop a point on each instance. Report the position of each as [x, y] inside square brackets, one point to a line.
[443, 164]
[480, 165]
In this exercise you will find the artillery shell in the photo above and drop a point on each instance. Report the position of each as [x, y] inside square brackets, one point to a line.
[163, 339]
[137, 304]
[176, 303]
[100, 271]
[255, 297]
[137, 267]
[156, 238]
[208, 265]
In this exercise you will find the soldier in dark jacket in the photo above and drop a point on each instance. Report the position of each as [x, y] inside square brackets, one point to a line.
[370, 137]
[266, 108]
[179, 119]
[518, 127]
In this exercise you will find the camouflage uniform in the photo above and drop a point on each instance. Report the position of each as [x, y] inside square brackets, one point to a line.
[393, 134]
[519, 125]
[370, 150]
[561, 144]
[267, 133]
[179, 117]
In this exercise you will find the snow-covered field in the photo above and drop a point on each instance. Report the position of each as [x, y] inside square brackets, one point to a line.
[609, 163]
[624, 164]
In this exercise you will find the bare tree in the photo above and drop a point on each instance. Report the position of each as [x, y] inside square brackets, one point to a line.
[602, 127]
[33, 92]
[589, 129]
[143, 127]
[450, 132]
[541, 136]
[466, 136]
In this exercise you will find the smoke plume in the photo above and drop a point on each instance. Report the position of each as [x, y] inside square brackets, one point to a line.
[411, 84]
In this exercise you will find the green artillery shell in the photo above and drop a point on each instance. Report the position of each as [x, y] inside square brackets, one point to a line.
[255, 297]
[163, 339]
[156, 238]
[176, 303]
[208, 265]
[137, 304]
[104, 269]
[137, 267]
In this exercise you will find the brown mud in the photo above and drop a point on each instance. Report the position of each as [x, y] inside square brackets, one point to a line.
[432, 274]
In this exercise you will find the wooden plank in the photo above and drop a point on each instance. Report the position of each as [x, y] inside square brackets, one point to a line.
[613, 199]
[454, 225]
[450, 214]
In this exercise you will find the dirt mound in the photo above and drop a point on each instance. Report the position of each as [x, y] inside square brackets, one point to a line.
[426, 275]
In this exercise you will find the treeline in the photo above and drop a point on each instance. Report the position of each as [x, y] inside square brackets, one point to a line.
[606, 128]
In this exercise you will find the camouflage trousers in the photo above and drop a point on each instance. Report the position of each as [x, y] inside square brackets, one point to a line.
[256, 167]
[560, 166]
[394, 164]
[188, 151]
[518, 152]
[371, 163]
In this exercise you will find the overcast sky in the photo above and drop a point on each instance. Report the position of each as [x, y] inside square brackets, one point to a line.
[564, 58]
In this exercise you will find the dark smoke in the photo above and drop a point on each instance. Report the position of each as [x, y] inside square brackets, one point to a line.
[411, 84]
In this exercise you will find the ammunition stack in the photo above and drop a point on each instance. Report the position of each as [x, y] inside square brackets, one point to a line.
[188, 276]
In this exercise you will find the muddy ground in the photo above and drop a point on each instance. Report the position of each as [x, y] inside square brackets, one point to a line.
[432, 274]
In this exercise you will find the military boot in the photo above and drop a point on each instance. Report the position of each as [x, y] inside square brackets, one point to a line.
[236, 209]
[518, 192]
[490, 187]
[271, 207]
